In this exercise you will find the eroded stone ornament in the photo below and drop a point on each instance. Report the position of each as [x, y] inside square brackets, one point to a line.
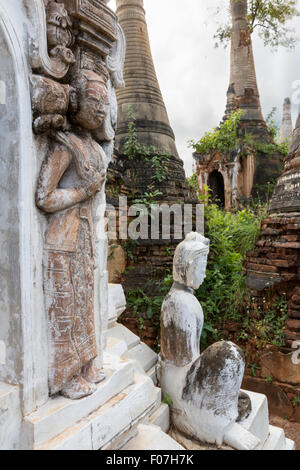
[204, 388]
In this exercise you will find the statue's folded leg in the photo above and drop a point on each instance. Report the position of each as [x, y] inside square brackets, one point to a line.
[211, 393]
[239, 438]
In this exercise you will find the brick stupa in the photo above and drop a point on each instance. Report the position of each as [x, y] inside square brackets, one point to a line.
[233, 178]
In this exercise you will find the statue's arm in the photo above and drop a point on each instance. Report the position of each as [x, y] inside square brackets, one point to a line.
[49, 198]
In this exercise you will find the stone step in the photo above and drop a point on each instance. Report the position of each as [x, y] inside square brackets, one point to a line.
[116, 347]
[122, 333]
[122, 438]
[10, 417]
[258, 421]
[108, 423]
[276, 439]
[123, 343]
[161, 417]
[290, 445]
[153, 373]
[116, 302]
[150, 437]
[60, 413]
[142, 354]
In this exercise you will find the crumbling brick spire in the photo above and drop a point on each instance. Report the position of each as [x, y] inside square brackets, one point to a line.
[243, 90]
[286, 197]
[142, 91]
[287, 123]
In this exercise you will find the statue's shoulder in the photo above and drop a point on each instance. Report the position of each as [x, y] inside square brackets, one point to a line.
[179, 304]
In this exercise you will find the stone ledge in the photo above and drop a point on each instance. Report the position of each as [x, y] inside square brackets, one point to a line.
[60, 413]
[10, 417]
[100, 428]
[150, 437]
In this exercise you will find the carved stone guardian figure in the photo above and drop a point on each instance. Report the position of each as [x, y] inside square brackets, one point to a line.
[73, 172]
[204, 388]
[76, 117]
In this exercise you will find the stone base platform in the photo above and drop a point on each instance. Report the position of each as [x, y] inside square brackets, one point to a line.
[107, 425]
[10, 417]
[271, 437]
[125, 413]
[110, 418]
[60, 413]
[150, 437]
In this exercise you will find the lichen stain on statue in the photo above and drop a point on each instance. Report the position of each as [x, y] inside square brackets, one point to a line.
[72, 115]
[204, 388]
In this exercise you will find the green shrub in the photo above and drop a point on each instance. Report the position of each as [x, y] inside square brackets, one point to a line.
[133, 149]
[146, 303]
[221, 139]
[227, 138]
[223, 294]
[231, 236]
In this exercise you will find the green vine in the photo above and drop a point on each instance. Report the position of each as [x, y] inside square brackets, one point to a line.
[133, 149]
[296, 401]
[129, 247]
[192, 182]
[146, 303]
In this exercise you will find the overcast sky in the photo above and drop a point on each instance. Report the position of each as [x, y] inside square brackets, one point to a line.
[194, 75]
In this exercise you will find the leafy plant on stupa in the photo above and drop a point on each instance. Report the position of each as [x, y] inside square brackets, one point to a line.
[268, 17]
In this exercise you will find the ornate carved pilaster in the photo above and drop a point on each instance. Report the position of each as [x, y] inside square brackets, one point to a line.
[77, 119]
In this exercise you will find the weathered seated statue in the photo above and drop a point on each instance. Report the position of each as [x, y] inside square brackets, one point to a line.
[205, 388]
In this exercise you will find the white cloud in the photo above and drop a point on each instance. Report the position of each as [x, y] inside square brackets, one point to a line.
[194, 76]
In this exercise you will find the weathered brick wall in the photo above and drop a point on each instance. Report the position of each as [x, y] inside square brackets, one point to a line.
[275, 266]
[273, 270]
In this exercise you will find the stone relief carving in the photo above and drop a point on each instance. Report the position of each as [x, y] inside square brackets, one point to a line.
[74, 117]
[115, 63]
[205, 387]
[50, 22]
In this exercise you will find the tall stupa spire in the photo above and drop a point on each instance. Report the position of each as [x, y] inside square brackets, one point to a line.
[287, 123]
[243, 90]
[142, 92]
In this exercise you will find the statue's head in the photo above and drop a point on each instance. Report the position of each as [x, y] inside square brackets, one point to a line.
[89, 105]
[190, 260]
